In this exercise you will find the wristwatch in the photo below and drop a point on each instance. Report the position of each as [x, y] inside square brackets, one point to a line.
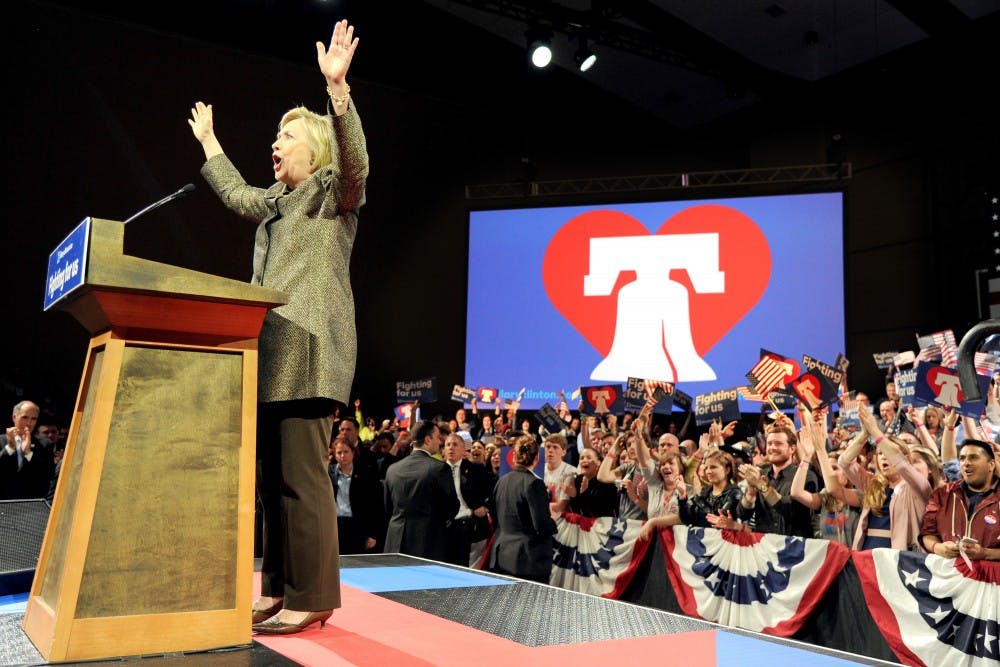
[765, 488]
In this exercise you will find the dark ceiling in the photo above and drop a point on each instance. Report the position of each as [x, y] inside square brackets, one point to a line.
[686, 63]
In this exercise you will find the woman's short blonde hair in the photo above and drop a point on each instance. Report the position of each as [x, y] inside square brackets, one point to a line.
[318, 131]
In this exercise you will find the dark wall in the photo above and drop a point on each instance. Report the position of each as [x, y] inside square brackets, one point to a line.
[99, 110]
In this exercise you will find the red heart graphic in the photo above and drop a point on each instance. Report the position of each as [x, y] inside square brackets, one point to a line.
[512, 457]
[744, 256]
[938, 387]
[608, 394]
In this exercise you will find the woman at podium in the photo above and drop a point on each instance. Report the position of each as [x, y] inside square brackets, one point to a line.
[306, 224]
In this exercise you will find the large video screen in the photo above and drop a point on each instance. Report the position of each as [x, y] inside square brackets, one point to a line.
[680, 291]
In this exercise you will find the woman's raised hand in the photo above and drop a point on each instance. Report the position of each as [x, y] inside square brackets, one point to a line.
[336, 60]
[201, 121]
[203, 129]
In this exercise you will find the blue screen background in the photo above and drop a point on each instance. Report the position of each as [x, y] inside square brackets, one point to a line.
[516, 338]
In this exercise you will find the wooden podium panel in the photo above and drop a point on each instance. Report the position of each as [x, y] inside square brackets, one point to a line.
[149, 545]
[150, 551]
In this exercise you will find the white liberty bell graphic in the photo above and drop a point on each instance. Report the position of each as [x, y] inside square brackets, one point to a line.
[653, 326]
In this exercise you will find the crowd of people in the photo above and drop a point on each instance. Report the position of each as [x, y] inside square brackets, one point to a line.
[914, 479]
[904, 479]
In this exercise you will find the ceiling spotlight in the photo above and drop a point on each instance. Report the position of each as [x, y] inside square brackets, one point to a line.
[539, 46]
[584, 56]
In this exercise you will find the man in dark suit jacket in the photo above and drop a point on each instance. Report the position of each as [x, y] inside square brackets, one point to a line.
[25, 464]
[420, 498]
[472, 483]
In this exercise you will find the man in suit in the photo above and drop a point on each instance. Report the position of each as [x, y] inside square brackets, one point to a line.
[25, 465]
[472, 485]
[420, 498]
[382, 449]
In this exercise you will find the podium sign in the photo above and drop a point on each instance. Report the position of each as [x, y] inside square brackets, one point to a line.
[67, 265]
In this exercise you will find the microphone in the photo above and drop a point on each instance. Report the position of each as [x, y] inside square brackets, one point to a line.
[166, 200]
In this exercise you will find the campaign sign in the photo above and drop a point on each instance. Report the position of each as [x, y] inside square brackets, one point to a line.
[635, 395]
[67, 265]
[664, 402]
[602, 399]
[550, 419]
[681, 400]
[488, 394]
[792, 368]
[507, 462]
[940, 386]
[462, 394]
[403, 414]
[639, 392]
[722, 404]
[424, 390]
[834, 375]
[814, 389]
[850, 419]
[883, 360]
[906, 387]
[784, 400]
[842, 362]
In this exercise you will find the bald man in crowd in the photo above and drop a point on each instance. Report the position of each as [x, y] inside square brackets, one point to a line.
[25, 466]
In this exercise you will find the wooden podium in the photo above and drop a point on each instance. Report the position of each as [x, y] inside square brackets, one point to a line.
[149, 545]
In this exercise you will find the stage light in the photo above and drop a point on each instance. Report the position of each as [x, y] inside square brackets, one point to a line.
[584, 56]
[540, 46]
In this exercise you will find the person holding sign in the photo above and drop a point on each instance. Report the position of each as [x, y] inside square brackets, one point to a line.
[307, 221]
[894, 497]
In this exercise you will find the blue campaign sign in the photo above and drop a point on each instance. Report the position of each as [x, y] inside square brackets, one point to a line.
[550, 419]
[602, 399]
[720, 404]
[67, 265]
[939, 385]
[635, 395]
[906, 387]
[424, 390]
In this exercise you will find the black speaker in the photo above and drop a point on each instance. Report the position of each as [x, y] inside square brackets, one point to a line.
[22, 527]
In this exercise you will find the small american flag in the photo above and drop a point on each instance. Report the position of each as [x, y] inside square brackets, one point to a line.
[749, 394]
[949, 348]
[767, 374]
[849, 401]
[986, 363]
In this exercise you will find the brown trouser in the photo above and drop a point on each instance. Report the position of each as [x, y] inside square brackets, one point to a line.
[301, 561]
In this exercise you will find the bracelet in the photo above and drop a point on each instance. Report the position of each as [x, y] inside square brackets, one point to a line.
[879, 439]
[342, 99]
[804, 465]
[918, 424]
[950, 428]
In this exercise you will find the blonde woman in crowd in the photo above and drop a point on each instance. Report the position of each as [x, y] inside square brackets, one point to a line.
[895, 496]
